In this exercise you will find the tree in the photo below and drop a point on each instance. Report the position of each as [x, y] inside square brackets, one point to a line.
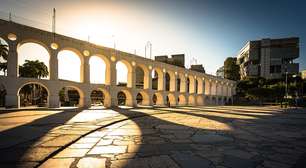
[231, 69]
[33, 93]
[3, 56]
[33, 69]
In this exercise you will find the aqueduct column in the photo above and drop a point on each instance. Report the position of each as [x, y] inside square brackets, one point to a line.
[147, 83]
[86, 77]
[12, 60]
[12, 98]
[53, 65]
[173, 83]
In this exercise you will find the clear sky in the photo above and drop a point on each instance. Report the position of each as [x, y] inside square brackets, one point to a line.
[208, 30]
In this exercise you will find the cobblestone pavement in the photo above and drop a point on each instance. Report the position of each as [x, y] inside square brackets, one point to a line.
[193, 137]
[28, 137]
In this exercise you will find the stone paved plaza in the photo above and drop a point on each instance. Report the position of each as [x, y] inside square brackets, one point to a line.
[220, 137]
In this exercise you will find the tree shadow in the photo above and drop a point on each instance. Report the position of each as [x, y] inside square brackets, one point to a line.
[249, 140]
[21, 143]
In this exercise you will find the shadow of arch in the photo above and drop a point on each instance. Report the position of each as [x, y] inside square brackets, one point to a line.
[44, 100]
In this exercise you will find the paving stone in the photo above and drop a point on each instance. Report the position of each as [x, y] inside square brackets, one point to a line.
[89, 162]
[60, 163]
[187, 159]
[211, 138]
[108, 149]
[236, 162]
[70, 152]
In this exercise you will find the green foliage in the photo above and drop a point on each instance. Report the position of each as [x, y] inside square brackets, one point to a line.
[231, 69]
[3, 55]
[33, 69]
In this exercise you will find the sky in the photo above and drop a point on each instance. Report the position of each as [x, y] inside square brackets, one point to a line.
[206, 30]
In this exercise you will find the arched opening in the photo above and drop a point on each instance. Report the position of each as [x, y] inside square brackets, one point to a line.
[182, 100]
[33, 94]
[154, 99]
[123, 75]
[158, 99]
[121, 97]
[2, 95]
[139, 78]
[4, 49]
[171, 100]
[188, 85]
[69, 97]
[97, 70]
[33, 60]
[97, 98]
[139, 99]
[157, 79]
[167, 80]
[154, 80]
[196, 86]
[203, 87]
[178, 84]
[70, 66]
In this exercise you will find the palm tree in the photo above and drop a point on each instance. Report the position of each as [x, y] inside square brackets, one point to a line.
[3, 56]
[33, 69]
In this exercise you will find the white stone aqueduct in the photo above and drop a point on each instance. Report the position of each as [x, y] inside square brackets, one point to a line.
[209, 90]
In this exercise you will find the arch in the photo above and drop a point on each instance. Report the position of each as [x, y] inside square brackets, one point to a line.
[158, 99]
[171, 100]
[70, 65]
[106, 100]
[124, 98]
[3, 56]
[167, 81]
[183, 83]
[188, 85]
[97, 98]
[2, 95]
[191, 100]
[140, 77]
[170, 81]
[145, 98]
[33, 50]
[33, 94]
[71, 96]
[97, 70]
[182, 100]
[157, 79]
[124, 73]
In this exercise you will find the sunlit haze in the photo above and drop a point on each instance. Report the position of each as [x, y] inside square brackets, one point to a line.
[204, 30]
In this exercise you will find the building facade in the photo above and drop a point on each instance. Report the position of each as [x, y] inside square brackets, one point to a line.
[269, 58]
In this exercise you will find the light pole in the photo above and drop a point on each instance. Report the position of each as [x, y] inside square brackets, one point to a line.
[148, 44]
